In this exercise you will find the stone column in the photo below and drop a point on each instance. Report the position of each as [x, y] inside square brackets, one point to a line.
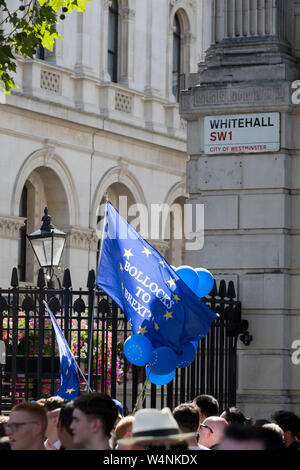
[126, 44]
[9, 245]
[250, 200]
[104, 75]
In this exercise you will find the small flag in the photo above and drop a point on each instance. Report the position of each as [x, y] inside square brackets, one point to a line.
[69, 378]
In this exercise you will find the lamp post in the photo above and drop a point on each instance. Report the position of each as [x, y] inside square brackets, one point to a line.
[48, 244]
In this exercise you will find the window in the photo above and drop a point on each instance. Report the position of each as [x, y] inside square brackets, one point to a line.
[176, 57]
[113, 41]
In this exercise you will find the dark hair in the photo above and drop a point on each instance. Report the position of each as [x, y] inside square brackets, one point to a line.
[287, 420]
[207, 404]
[270, 439]
[53, 403]
[66, 415]
[98, 405]
[187, 417]
[235, 415]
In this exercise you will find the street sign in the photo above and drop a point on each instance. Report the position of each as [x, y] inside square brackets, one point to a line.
[242, 133]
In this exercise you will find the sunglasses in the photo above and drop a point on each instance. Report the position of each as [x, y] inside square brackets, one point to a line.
[205, 426]
[13, 427]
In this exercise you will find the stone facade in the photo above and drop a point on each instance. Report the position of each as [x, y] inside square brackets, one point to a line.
[251, 200]
[69, 134]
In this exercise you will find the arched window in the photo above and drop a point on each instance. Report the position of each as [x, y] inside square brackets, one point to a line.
[176, 57]
[112, 60]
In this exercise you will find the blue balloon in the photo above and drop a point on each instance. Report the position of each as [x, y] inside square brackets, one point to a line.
[138, 349]
[162, 360]
[160, 379]
[206, 282]
[189, 276]
[187, 356]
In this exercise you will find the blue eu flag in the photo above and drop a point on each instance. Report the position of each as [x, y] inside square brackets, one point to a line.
[69, 378]
[153, 297]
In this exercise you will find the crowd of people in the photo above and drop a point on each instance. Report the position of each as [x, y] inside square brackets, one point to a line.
[96, 421]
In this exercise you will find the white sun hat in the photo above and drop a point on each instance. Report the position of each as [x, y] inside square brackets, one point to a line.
[154, 425]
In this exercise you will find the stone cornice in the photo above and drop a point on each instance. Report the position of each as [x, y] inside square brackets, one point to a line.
[81, 238]
[217, 96]
[10, 226]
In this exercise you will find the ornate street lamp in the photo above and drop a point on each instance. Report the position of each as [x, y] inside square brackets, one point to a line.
[48, 244]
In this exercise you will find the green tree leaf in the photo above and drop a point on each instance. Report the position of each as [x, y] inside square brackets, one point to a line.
[35, 27]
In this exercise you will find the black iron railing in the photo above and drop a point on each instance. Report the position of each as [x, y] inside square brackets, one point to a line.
[32, 364]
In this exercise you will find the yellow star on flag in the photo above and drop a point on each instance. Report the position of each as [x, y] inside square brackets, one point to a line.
[122, 285]
[142, 331]
[162, 263]
[130, 323]
[156, 326]
[168, 315]
[127, 253]
[146, 251]
[176, 298]
[171, 282]
[121, 267]
[70, 390]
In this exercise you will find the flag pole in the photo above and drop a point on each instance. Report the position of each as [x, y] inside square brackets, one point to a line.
[90, 353]
[141, 395]
[78, 368]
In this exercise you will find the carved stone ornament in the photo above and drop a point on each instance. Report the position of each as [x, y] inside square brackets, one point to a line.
[191, 3]
[203, 97]
[123, 170]
[127, 13]
[82, 239]
[10, 226]
[106, 4]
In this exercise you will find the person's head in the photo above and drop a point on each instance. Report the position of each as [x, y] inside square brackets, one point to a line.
[207, 405]
[240, 437]
[155, 429]
[3, 421]
[211, 431]
[52, 406]
[27, 426]
[123, 430]
[274, 427]
[187, 417]
[234, 415]
[94, 417]
[64, 431]
[289, 423]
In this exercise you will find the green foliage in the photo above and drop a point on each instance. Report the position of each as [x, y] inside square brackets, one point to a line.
[32, 25]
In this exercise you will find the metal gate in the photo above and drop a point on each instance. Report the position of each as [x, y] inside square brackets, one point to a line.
[32, 363]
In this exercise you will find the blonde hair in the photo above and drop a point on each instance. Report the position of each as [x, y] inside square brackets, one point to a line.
[123, 426]
[36, 410]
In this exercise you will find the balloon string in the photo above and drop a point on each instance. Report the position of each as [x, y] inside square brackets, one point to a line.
[142, 394]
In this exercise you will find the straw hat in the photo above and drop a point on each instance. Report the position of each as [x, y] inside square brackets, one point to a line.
[154, 425]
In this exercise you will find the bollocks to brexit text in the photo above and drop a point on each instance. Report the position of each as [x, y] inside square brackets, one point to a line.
[153, 297]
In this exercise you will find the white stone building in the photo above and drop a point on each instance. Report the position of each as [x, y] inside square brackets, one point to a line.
[98, 115]
[251, 199]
